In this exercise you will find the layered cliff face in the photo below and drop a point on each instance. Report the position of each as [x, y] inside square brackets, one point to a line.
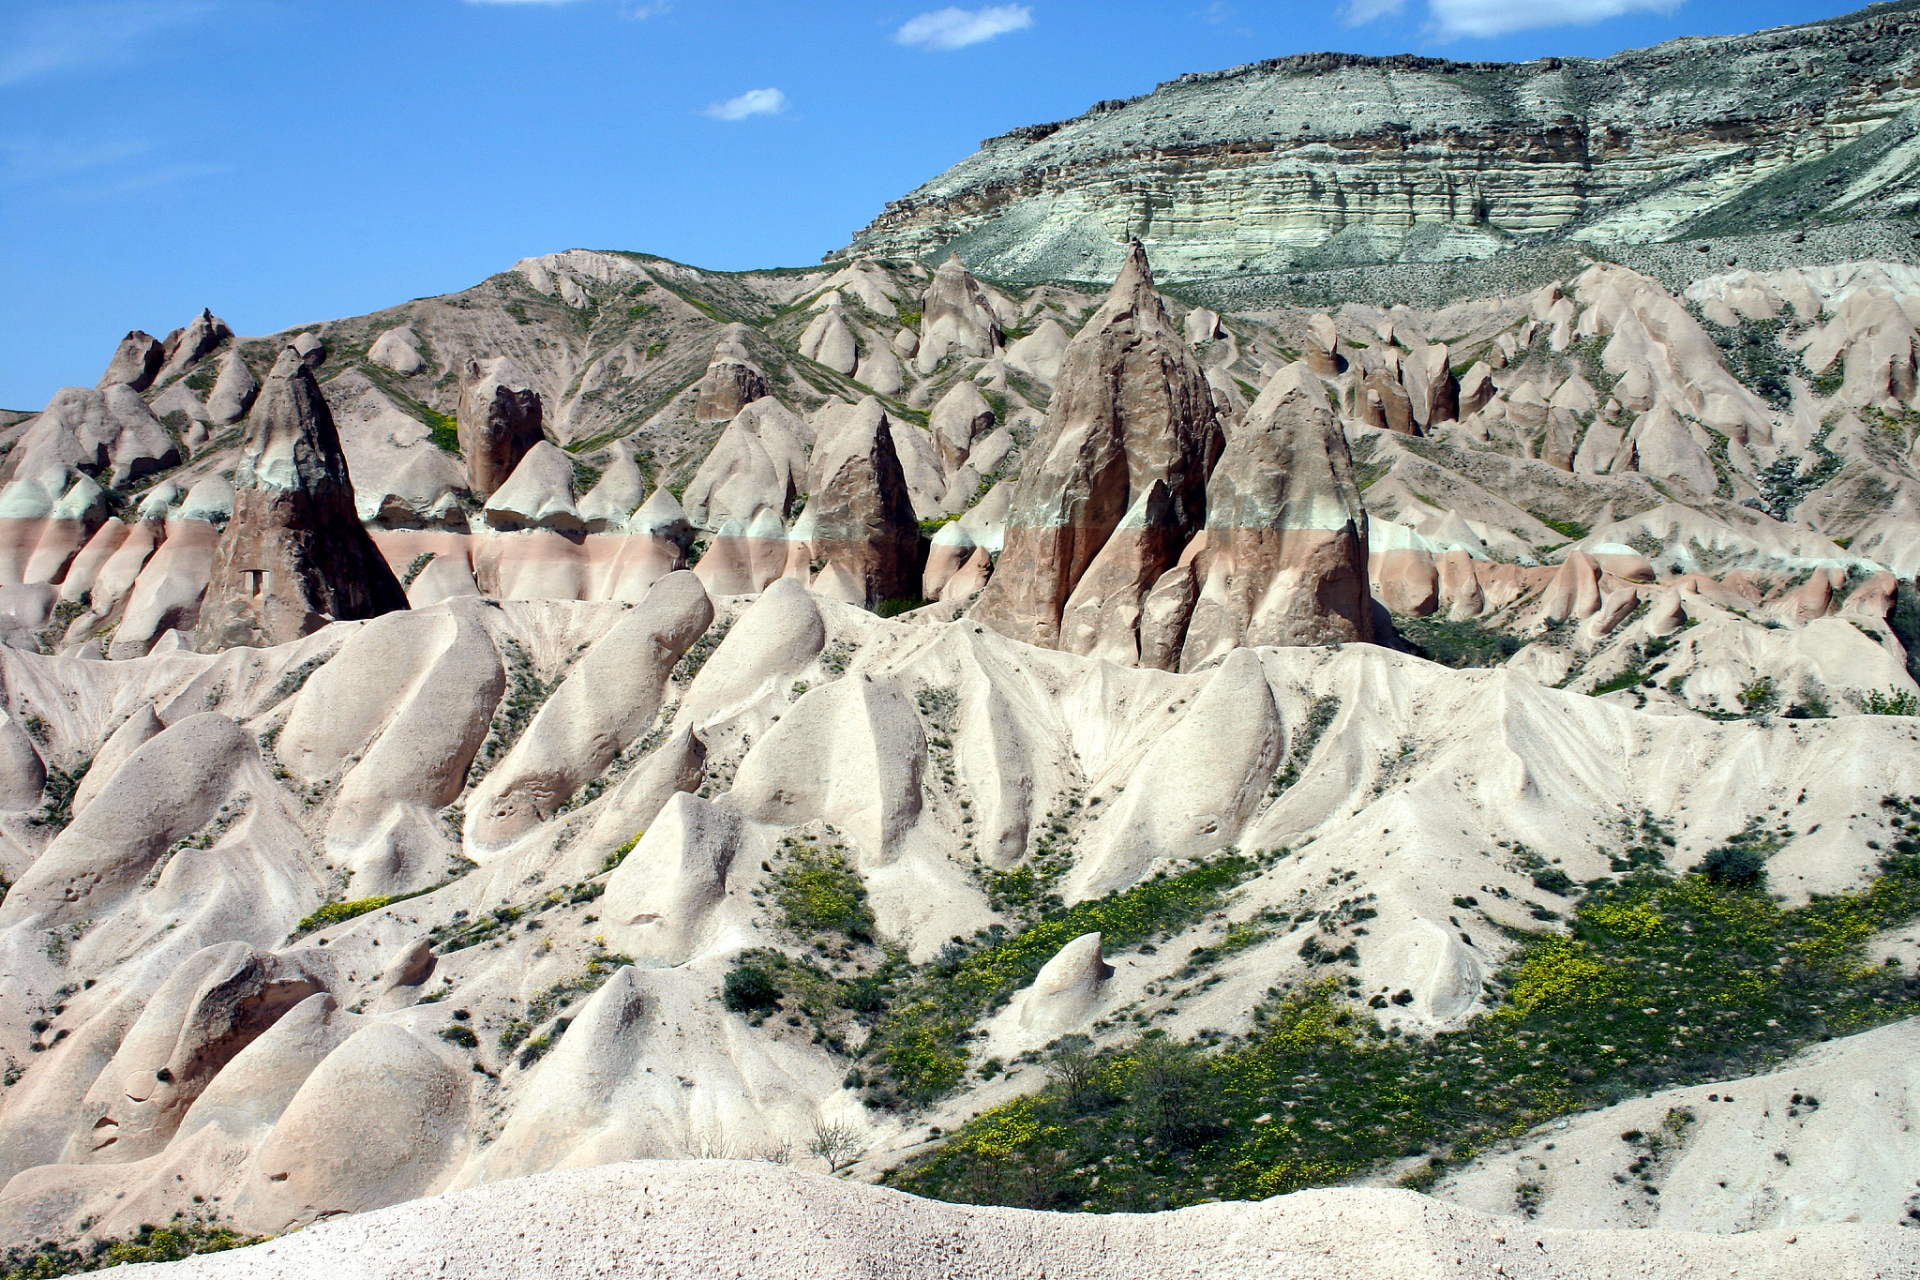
[1327, 159]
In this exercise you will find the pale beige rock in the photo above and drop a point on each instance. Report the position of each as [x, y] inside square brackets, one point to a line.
[956, 318]
[602, 708]
[860, 517]
[132, 734]
[376, 1122]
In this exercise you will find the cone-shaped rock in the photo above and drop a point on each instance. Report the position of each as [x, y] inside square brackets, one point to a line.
[732, 380]
[499, 422]
[1286, 554]
[957, 317]
[860, 519]
[295, 556]
[137, 360]
[1131, 409]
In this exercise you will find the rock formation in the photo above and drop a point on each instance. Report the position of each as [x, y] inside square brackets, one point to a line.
[295, 555]
[1131, 429]
[1285, 560]
[499, 422]
[859, 518]
[957, 318]
[1261, 146]
[136, 361]
[732, 380]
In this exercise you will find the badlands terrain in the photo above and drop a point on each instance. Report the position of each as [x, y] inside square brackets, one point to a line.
[1054, 741]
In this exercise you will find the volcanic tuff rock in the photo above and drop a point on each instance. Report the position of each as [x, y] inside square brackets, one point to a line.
[1116, 482]
[1285, 560]
[295, 555]
[499, 421]
[715, 1220]
[1324, 159]
[732, 380]
[957, 318]
[859, 519]
[137, 360]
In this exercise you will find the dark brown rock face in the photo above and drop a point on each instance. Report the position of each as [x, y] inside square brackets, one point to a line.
[1119, 475]
[136, 362]
[860, 518]
[1285, 560]
[732, 380]
[295, 556]
[499, 422]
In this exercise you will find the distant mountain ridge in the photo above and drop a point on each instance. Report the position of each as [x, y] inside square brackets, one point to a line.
[1328, 160]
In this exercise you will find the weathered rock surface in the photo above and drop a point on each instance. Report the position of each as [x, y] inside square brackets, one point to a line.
[1286, 554]
[957, 318]
[135, 362]
[1325, 159]
[1132, 410]
[732, 380]
[499, 422]
[295, 555]
[859, 518]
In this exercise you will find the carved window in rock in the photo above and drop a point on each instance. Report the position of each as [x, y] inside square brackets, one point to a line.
[256, 580]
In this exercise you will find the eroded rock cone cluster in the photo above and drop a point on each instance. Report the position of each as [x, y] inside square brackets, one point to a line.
[1102, 556]
[295, 556]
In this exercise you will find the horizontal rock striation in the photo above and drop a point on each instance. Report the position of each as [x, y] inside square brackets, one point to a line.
[1322, 160]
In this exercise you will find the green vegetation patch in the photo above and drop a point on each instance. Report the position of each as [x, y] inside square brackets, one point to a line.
[1659, 982]
[181, 1238]
[1461, 643]
[917, 1053]
[817, 892]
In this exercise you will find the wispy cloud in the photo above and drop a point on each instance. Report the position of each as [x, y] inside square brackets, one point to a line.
[1355, 12]
[754, 102]
[75, 170]
[957, 28]
[1451, 19]
[1497, 17]
[47, 41]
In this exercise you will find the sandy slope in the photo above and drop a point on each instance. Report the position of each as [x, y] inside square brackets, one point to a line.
[697, 1219]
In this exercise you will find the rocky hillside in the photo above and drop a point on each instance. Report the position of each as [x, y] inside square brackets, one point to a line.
[1327, 160]
[1032, 743]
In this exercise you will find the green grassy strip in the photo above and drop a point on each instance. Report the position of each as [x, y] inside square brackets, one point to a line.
[1660, 982]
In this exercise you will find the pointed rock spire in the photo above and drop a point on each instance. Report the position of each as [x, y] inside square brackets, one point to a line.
[295, 556]
[1285, 560]
[1131, 412]
[957, 317]
[860, 518]
[732, 380]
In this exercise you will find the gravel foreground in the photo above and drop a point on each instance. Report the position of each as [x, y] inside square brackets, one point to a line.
[692, 1220]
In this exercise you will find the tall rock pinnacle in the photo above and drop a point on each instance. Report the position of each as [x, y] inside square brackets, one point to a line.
[1118, 476]
[295, 556]
[1285, 561]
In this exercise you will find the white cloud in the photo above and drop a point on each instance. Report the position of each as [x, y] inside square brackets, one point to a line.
[957, 28]
[754, 102]
[1451, 19]
[1355, 12]
[50, 41]
[1497, 17]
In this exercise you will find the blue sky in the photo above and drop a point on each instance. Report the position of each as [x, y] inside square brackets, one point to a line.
[287, 162]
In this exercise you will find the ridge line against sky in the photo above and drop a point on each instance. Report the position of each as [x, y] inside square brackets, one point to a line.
[284, 164]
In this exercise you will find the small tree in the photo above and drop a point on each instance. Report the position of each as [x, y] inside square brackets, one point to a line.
[837, 1144]
[1734, 865]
